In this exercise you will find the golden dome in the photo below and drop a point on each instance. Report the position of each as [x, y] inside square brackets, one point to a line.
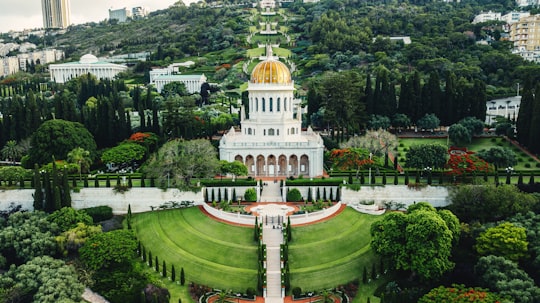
[271, 72]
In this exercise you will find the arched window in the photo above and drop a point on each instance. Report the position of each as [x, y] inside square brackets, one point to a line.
[285, 105]
[256, 104]
[264, 132]
[292, 130]
[271, 132]
[277, 132]
[263, 105]
[278, 104]
[249, 131]
[271, 107]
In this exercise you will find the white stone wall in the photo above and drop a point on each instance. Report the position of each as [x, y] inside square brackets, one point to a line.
[141, 199]
[435, 195]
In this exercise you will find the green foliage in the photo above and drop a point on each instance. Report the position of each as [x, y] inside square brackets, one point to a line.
[427, 155]
[505, 240]
[179, 161]
[460, 294]
[67, 218]
[108, 250]
[506, 278]
[124, 153]
[489, 203]
[428, 122]
[29, 234]
[13, 173]
[499, 156]
[250, 195]
[99, 213]
[459, 134]
[236, 168]
[42, 279]
[72, 239]
[56, 138]
[420, 241]
[294, 195]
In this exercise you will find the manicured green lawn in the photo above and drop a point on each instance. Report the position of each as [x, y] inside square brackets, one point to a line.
[212, 253]
[477, 145]
[331, 253]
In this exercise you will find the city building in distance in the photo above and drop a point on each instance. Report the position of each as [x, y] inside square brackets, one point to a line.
[56, 13]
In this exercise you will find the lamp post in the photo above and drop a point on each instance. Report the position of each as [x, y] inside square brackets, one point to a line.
[509, 171]
[370, 155]
[428, 171]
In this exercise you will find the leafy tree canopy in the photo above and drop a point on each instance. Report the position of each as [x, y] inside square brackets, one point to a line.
[427, 155]
[67, 218]
[124, 153]
[29, 234]
[428, 122]
[460, 294]
[42, 279]
[459, 134]
[499, 156]
[56, 138]
[505, 240]
[505, 277]
[420, 241]
[108, 250]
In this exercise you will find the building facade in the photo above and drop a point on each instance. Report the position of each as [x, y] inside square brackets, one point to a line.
[271, 141]
[121, 14]
[484, 17]
[526, 37]
[56, 13]
[88, 64]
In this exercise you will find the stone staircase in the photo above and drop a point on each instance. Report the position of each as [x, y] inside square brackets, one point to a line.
[271, 192]
[273, 237]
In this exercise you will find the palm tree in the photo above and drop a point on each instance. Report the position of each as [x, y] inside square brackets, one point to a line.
[80, 156]
[11, 151]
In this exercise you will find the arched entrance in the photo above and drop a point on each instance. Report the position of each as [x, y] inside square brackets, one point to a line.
[261, 167]
[239, 158]
[304, 165]
[250, 163]
[272, 171]
[293, 166]
[282, 165]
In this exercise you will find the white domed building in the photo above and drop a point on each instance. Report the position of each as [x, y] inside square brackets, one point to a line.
[88, 64]
[271, 142]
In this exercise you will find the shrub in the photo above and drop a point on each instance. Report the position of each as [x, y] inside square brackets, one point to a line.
[250, 292]
[537, 165]
[99, 213]
[528, 165]
[250, 195]
[296, 291]
[294, 195]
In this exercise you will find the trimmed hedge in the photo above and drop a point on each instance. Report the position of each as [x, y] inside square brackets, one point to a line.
[99, 213]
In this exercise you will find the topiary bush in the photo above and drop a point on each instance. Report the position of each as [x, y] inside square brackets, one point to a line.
[99, 213]
[294, 195]
[250, 195]
[296, 291]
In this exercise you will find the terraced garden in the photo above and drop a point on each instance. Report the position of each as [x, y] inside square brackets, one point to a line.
[212, 253]
[333, 252]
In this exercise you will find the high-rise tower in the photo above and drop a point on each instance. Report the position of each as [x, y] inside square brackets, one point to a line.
[56, 13]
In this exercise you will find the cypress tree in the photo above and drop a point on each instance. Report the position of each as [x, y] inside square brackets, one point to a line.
[441, 177]
[142, 181]
[396, 181]
[150, 259]
[173, 273]
[233, 198]
[206, 195]
[38, 193]
[256, 230]
[96, 182]
[362, 179]
[531, 179]
[143, 254]
[417, 178]
[226, 197]
[364, 276]
[324, 194]
[520, 179]
[182, 277]
[74, 182]
[130, 182]
[219, 194]
[331, 197]
[373, 271]
[372, 179]
[310, 195]
[213, 195]
[164, 269]
[525, 116]
[85, 183]
[406, 178]
[338, 194]
[289, 229]
[66, 191]
[57, 199]
[152, 182]
[107, 181]
[21, 182]
[117, 180]
[350, 178]
[156, 263]
[384, 178]
[429, 179]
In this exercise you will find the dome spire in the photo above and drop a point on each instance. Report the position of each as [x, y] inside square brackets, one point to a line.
[268, 52]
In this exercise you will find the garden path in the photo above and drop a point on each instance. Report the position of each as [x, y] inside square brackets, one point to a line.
[271, 191]
[273, 237]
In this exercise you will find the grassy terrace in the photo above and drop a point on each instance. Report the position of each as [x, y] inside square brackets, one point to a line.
[211, 253]
[331, 253]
